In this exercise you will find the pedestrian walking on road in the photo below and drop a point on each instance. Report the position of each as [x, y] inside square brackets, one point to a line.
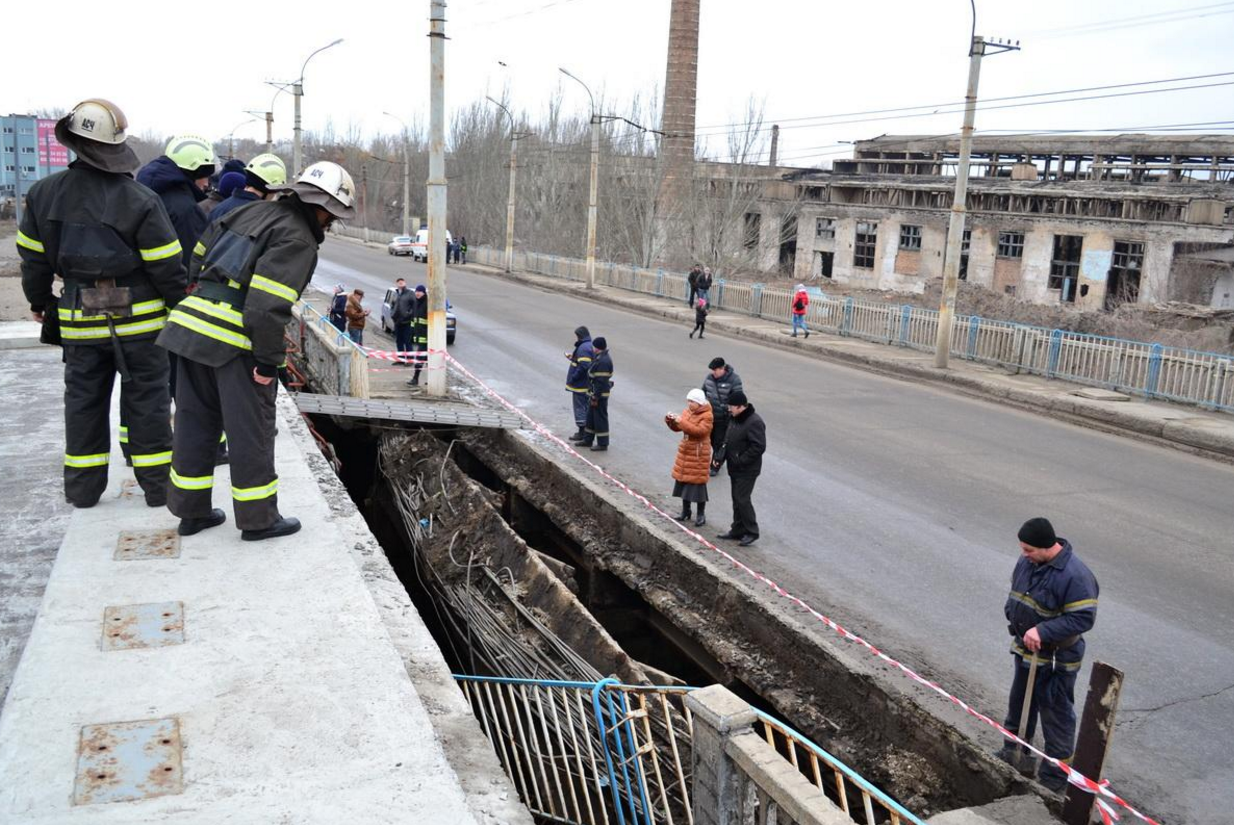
[580, 358]
[721, 382]
[693, 464]
[402, 313]
[599, 385]
[692, 283]
[357, 316]
[1052, 604]
[338, 308]
[419, 333]
[702, 285]
[801, 303]
[700, 318]
[744, 445]
[111, 241]
[250, 267]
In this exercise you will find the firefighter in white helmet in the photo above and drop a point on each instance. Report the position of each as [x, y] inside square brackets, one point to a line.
[249, 268]
[111, 241]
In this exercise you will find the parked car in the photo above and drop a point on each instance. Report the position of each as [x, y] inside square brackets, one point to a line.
[419, 247]
[400, 245]
[387, 320]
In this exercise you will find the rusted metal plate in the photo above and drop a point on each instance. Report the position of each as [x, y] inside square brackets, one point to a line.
[147, 544]
[125, 761]
[128, 626]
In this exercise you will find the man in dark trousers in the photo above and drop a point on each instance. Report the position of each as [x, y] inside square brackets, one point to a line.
[111, 241]
[599, 385]
[580, 358]
[692, 284]
[744, 445]
[419, 333]
[402, 314]
[721, 382]
[250, 268]
[1052, 604]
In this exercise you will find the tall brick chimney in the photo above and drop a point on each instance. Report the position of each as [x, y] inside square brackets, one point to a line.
[677, 149]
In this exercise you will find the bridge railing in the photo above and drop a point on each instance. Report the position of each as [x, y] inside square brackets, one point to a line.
[1204, 379]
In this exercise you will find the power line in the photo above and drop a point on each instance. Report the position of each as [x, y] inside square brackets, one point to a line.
[1156, 18]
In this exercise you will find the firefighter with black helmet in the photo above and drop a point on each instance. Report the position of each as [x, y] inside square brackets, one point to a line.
[111, 241]
[249, 268]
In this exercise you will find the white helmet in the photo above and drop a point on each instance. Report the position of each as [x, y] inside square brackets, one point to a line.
[327, 185]
[96, 130]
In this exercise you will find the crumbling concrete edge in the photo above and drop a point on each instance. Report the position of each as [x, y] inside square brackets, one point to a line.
[1096, 415]
[490, 796]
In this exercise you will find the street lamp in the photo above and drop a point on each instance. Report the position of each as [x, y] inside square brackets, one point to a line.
[297, 89]
[269, 113]
[406, 174]
[514, 136]
[231, 139]
[595, 176]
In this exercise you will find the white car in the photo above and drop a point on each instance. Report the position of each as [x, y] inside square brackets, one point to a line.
[419, 247]
[400, 245]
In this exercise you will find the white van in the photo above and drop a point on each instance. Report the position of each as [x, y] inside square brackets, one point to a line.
[419, 247]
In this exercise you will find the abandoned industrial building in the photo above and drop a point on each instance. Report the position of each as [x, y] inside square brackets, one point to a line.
[1087, 220]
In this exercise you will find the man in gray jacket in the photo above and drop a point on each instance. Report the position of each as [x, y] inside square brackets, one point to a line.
[721, 382]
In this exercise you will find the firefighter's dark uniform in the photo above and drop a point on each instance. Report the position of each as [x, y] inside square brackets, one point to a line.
[250, 268]
[599, 385]
[576, 379]
[419, 336]
[1059, 598]
[99, 230]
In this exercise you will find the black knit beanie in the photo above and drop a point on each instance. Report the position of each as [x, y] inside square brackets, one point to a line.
[717, 364]
[599, 343]
[1038, 532]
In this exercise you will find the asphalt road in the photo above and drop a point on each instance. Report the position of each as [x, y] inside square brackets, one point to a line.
[895, 507]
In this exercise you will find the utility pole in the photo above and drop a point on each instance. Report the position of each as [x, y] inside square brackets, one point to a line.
[595, 180]
[269, 132]
[297, 89]
[510, 200]
[364, 199]
[955, 229]
[775, 144]
[437, 200]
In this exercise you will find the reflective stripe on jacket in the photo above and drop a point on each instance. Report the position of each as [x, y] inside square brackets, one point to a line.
[600, 375]
[1059, 598]
[580, 362]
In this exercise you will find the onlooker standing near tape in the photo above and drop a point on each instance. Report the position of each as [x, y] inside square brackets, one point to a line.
[721, 382]
[1052, 604]
[743, 449]
[576, 379]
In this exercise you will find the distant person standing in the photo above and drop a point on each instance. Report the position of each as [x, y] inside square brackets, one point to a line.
[580, 358]
[721, 382]
[599, 385]
[419, 333]
[403, 313]
[357, 316]
[702, 284]
[338, 308]
[744, 445]
[700, 318]
[692, 284]
[800, 304]
[690, 470]
[462, 247]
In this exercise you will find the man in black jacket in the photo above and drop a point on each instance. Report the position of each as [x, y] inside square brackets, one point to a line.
[403, 313]
[744, 445]
[721, 382]
[109, 238]
[250, 268]
[599, 385]
[419, 332]
[179, 177]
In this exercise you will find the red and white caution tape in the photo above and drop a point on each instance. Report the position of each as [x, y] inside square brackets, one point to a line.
[401, 356]
[1100, 789]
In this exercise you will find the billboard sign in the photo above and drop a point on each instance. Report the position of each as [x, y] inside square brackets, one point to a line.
[51, 152]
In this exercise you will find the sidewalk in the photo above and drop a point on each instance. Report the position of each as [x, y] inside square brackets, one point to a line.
[276, 679]
[1187, 428]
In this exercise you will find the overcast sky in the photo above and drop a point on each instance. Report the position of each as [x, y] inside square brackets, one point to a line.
[173, 73]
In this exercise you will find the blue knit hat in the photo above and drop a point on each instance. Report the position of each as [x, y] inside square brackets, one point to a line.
[421, 288]
[230, 182]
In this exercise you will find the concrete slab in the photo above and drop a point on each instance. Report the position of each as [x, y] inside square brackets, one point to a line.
[1013, 810]
[292, 702]
[19, 335]
[1098, 394]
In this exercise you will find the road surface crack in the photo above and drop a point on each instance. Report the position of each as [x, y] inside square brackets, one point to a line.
[1179, 701]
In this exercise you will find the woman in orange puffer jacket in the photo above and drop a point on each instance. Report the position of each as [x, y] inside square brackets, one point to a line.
[693, 465]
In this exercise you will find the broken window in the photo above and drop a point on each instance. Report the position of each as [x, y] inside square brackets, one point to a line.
[1011, 244]
[825, 262]
[788, 244]
[1065, 266]
[863, 245]
[910, 238]
[754, 222]
[825, 229]
[965, 239]
[1123, 282]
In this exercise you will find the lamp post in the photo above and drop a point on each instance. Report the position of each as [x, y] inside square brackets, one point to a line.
[406, 174]
[595, 177]
[514, 136]
[231, 136]
[297, 89]
[269, 114]
[437, 191]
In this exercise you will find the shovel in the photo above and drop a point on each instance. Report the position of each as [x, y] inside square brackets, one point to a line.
[1024, 711]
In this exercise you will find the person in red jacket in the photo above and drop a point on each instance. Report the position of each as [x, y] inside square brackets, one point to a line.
[799, 306]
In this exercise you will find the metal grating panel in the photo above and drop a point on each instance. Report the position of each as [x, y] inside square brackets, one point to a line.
[458, 415]
[130, 626]
[147, 544]
[125, 761]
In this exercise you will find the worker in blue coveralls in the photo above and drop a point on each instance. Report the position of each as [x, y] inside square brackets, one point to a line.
[1052, 604]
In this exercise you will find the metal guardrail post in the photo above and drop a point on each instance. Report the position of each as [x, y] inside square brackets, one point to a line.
[1056, 345]
[1154, 370]
[974, 327]
[1221, 371]
[660, 282]
[756, 300]
[720, 292]
[1114, 377]
[906, 316]
[846, 325]
[1019, 341]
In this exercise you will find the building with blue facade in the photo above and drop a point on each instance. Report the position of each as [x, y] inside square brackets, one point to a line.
[29, 152]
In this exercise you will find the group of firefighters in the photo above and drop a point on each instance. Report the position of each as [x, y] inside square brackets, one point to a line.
[151, 285]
